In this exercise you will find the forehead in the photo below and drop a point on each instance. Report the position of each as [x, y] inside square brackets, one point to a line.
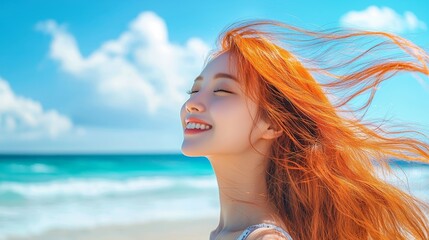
[220, 64]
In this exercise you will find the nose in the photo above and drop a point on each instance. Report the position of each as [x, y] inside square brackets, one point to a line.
[194, 106]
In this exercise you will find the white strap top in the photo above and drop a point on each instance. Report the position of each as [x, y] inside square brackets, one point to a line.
[252, 228]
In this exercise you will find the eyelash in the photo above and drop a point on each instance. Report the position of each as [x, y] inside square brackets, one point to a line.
[217, 90]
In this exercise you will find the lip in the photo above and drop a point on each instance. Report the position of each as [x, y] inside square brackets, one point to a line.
[195, 120]
[194, 131]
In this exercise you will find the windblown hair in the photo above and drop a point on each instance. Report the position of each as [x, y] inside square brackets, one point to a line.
[321, 173]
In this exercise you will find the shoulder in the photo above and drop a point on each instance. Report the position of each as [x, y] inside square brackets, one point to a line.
[266, 234]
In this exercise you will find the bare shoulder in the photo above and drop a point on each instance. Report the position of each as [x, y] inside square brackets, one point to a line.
[266, 234]
[270, 237]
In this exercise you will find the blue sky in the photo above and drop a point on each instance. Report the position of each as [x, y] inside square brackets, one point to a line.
[90, 76]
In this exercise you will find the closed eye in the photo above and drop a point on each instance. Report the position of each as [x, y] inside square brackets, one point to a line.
[190, 92]
[222, 90]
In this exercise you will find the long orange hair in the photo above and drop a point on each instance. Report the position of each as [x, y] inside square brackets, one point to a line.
[321, 174]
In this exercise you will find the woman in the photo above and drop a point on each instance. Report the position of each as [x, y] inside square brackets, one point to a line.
[290, 162]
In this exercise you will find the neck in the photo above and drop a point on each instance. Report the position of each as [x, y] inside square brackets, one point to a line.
[242, 190]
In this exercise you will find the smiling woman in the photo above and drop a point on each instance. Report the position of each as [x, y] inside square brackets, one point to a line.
[290, 162]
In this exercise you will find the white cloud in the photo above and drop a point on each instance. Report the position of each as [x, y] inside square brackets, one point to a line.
[382, 19]
[23, 118]
[141, 68]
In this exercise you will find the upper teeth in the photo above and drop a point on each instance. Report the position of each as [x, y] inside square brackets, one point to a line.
[192, 125]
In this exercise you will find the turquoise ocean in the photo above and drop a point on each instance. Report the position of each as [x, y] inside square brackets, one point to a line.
[39, 193]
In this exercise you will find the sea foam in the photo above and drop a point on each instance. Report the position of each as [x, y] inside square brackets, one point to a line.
[99, 187]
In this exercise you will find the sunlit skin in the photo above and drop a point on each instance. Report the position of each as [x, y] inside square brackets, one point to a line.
[239, 168]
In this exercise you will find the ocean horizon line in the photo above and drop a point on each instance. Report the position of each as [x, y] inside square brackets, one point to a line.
[9, 154]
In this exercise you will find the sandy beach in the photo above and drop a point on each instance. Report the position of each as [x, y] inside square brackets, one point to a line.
[182, 230]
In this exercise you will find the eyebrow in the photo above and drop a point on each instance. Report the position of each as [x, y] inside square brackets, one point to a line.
[218, 75]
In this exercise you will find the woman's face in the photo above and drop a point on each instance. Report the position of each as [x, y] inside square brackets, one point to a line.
[218, 100]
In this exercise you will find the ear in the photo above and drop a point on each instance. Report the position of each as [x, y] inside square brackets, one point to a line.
[272, 133]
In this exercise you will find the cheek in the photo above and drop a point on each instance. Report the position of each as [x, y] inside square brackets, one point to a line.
[235, 124]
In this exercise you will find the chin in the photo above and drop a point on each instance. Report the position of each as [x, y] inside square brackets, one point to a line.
[192, 154]
[195, 148]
